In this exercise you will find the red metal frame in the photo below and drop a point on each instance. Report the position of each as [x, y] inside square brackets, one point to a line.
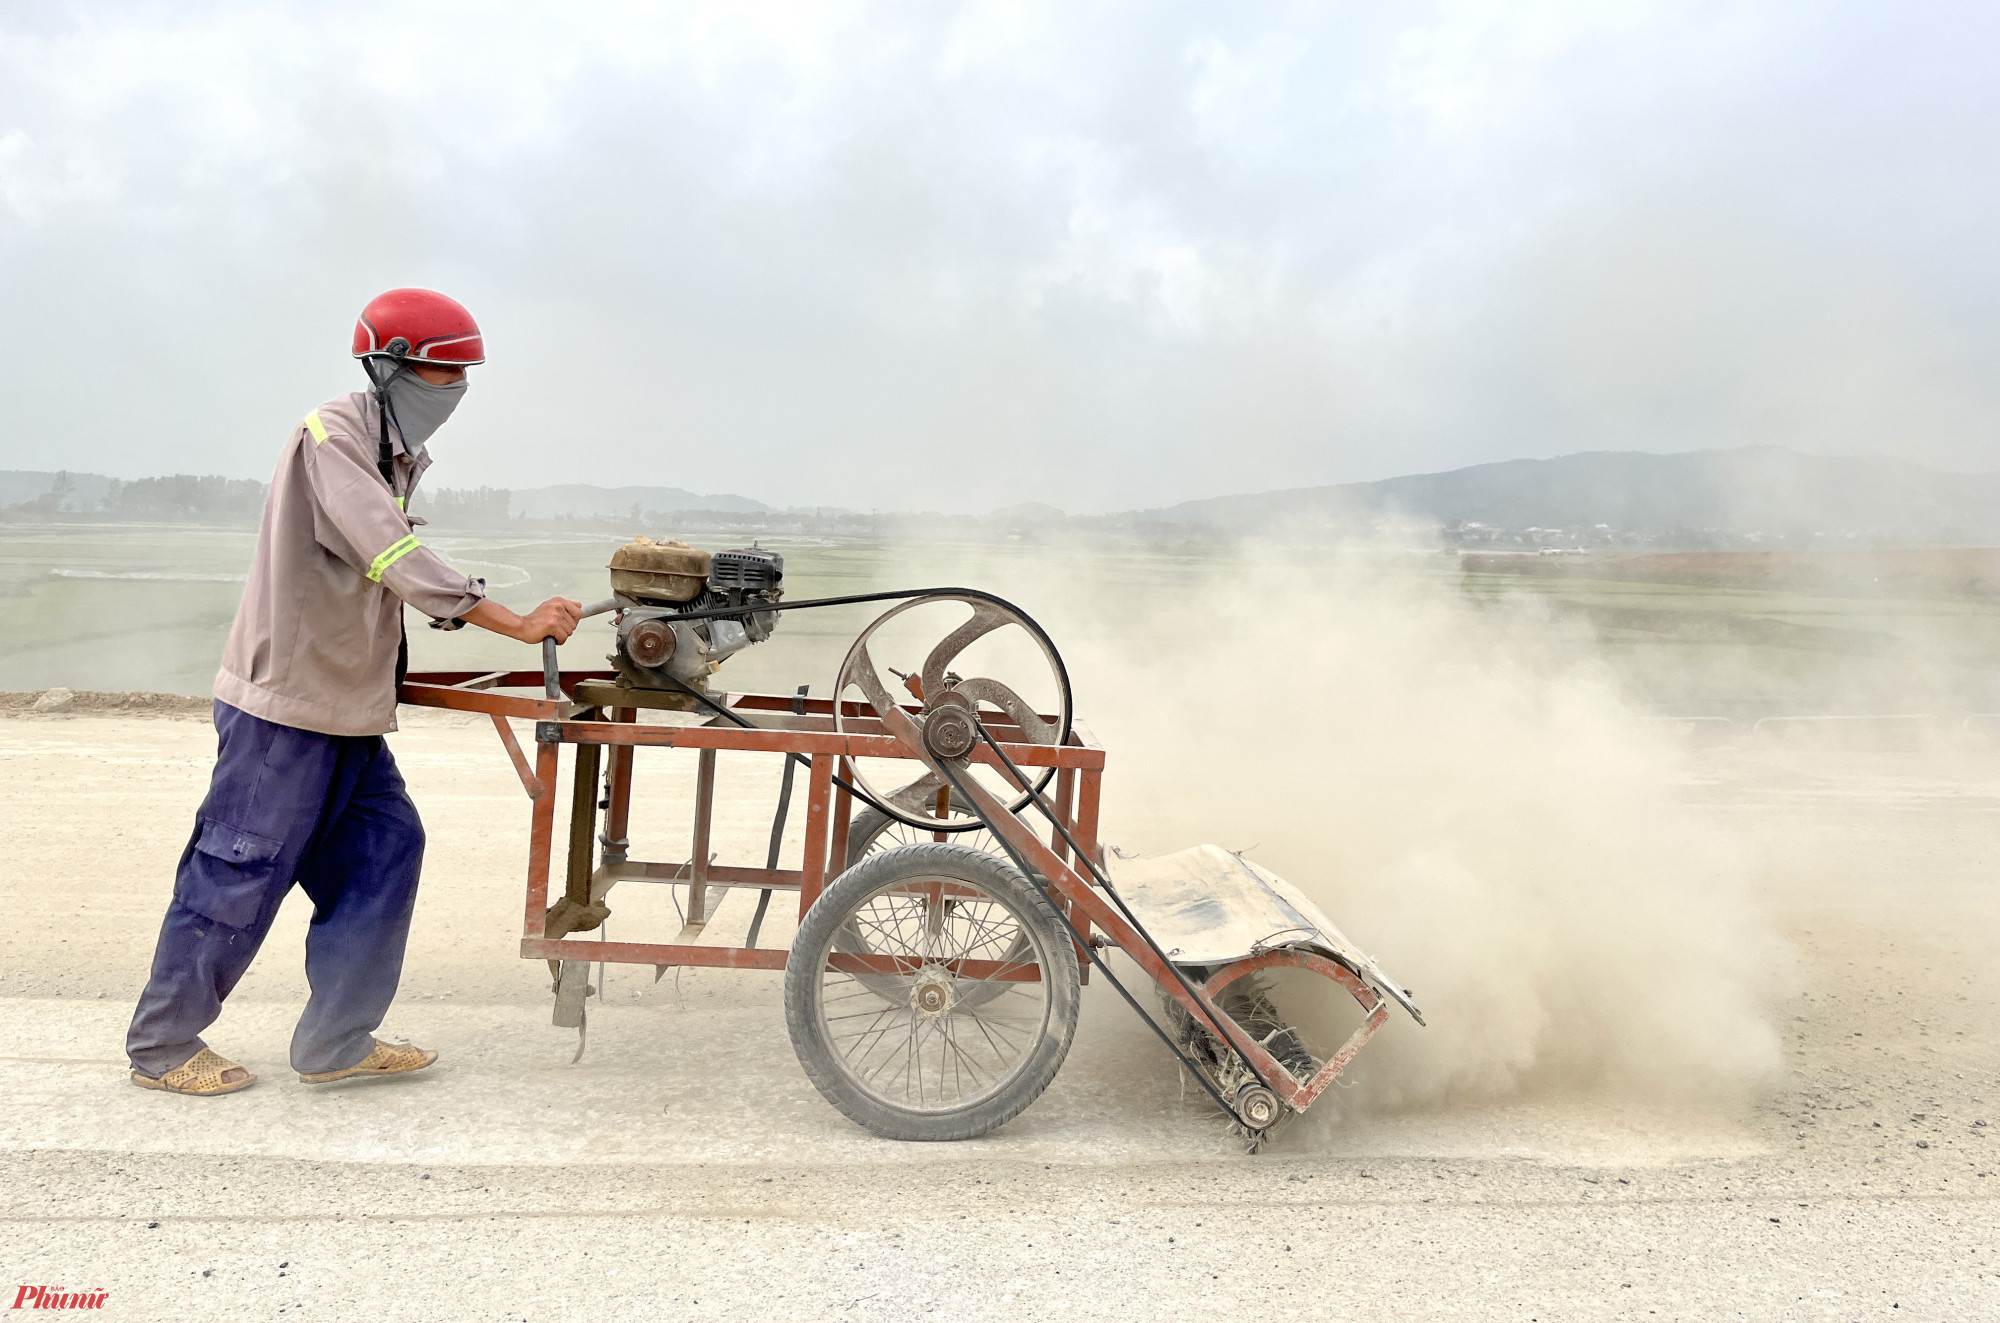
[1374, 1007]
[1075, 797]
[827, 809]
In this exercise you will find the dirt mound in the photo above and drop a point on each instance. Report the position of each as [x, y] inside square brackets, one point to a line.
[88, 702]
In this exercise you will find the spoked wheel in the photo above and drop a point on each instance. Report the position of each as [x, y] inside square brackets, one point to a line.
[960, 1013]
[873, 833]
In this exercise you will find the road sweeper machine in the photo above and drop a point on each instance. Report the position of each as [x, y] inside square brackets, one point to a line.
[952, 897]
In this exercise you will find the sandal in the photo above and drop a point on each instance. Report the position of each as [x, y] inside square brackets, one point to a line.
[203, 1075]
[386, 1059]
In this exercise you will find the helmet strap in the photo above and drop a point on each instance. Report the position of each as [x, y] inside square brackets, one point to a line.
[385, 460]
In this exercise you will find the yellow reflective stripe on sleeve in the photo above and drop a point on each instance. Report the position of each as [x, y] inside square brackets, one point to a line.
[395, 553]
[316, 427]
[402, 502]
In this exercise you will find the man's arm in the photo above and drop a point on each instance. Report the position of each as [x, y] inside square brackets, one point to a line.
[357, 503]
[356, 519]
[556, 618]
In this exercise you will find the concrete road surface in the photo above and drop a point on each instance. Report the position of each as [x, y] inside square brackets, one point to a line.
[686, 1169]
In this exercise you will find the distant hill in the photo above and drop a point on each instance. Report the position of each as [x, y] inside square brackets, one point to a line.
[185, 497]
[584, 501]
[1756, 497]
[1766, 490]
[1029, 512]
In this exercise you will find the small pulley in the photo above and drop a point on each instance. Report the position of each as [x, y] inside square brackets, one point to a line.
[951, 731]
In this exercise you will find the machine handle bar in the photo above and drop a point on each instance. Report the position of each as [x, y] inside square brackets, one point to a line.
[551, 672]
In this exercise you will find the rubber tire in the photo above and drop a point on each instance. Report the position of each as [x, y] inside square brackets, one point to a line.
[869, 822]
[832, 911]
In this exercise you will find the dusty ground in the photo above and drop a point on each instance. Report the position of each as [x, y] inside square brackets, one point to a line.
[686, 1169]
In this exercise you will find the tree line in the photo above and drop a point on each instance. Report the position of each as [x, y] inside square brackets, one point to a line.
[178, 498]
[209, 498]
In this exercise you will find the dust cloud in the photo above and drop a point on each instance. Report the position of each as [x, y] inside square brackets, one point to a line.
[1466, 788]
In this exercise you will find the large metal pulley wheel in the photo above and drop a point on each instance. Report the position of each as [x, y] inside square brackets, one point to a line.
[1018, 690]
[960, 1007]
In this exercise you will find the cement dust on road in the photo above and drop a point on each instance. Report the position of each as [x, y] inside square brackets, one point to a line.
[685, 1168]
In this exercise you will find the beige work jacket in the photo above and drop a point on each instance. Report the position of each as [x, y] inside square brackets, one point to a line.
[314, 644]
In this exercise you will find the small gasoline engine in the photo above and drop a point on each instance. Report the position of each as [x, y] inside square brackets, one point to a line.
[658, 585]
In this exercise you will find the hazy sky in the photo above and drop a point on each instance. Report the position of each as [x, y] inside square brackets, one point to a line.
[953, 257]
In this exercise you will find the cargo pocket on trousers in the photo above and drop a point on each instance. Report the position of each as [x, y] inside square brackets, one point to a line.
[230, 874]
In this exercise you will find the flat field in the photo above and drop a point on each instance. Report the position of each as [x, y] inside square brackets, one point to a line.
[1755, 634]
[124, 607]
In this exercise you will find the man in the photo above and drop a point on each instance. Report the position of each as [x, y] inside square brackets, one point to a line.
[304, 787]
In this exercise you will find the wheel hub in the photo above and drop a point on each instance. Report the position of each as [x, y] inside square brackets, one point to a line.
[931, 993]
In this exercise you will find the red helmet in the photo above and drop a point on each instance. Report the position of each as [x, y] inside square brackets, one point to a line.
[418, 326]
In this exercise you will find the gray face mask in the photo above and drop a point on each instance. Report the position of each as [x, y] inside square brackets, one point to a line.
[420, 407]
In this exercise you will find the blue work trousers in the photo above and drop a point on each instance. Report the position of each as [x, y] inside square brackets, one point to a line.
[286, 805]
